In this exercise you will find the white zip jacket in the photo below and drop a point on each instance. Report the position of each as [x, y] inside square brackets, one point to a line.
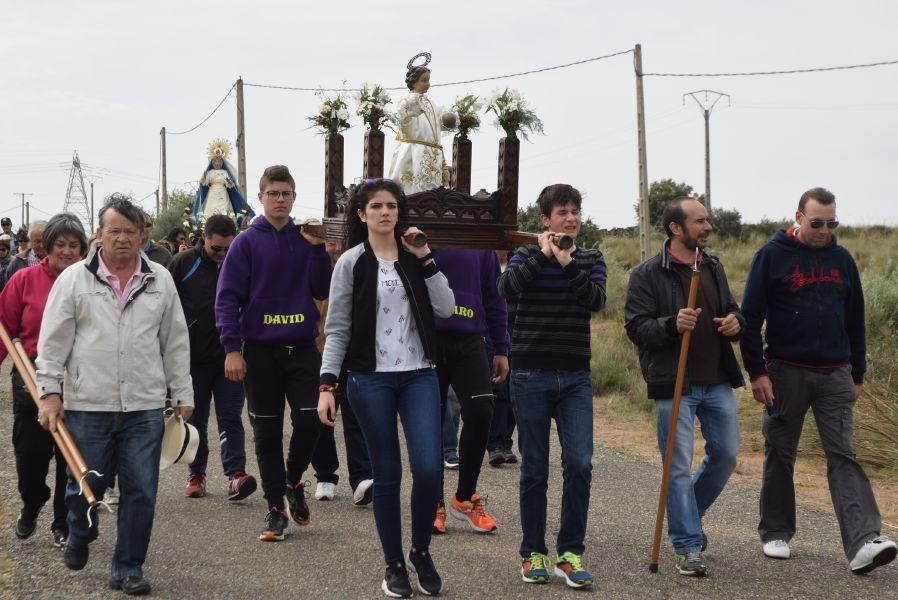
[111, 359]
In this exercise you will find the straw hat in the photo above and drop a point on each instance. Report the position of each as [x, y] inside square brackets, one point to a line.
[179, 442]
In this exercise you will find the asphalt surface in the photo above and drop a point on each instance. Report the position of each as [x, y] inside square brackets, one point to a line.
[208, 548]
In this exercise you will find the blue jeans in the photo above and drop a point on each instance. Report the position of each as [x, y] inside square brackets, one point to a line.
[690, 496]
[377, 399]
[209, 381]
[451, 420]
[537, 397]
[126, 444]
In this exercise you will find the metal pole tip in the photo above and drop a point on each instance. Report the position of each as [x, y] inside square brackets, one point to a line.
[653, 568]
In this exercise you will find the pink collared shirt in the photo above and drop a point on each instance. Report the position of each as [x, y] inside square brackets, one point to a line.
[121, 292]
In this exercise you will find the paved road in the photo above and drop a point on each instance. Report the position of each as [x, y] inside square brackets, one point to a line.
[207, 548]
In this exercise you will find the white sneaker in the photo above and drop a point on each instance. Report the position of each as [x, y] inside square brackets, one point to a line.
[325, 490]
[362, 494]
[777, 549]
[877, 552]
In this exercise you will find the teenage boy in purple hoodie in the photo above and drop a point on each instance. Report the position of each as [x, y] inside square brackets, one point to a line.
[266, 313]
[464, 365]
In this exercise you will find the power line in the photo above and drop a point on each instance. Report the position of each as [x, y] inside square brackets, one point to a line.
[481, 79]
[214, 110]
[781, 72]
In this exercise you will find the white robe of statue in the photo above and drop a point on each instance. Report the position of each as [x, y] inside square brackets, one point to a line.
[217, 200]
[418, 162]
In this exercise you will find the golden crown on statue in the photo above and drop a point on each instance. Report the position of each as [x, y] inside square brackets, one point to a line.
[219, 147]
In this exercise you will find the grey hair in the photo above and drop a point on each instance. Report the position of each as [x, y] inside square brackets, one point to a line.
[63, 225]
[36, 225]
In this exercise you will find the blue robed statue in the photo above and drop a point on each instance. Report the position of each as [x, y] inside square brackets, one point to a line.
[218, 192]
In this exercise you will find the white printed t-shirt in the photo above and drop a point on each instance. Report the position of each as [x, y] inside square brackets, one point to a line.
[397, 341]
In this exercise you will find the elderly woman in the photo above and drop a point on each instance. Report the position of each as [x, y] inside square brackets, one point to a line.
[21, 311]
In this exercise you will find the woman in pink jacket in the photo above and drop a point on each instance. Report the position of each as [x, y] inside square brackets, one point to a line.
[21, 311]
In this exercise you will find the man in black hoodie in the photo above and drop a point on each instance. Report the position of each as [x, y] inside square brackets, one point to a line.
[808, 290]
[195, 272]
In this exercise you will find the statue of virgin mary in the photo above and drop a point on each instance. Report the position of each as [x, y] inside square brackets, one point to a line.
[218, 192]
[418, 161]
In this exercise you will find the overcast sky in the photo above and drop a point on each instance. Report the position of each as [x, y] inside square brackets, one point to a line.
[104, 77]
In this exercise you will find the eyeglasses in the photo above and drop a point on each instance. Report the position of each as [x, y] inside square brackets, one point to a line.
[274, 195]
[219, 249]
[818, 223]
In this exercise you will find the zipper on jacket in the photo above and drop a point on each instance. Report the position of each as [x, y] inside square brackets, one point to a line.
[417, 311]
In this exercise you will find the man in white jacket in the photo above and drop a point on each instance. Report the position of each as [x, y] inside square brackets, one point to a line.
[114, 332]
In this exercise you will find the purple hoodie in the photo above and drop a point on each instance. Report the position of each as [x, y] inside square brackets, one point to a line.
[267, 287]
[479, 308]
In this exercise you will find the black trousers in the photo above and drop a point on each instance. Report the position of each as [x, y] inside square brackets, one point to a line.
[325, 461]
[463, 364]
[830, 394]
[34, 450]
[503, 419]
[275, 373]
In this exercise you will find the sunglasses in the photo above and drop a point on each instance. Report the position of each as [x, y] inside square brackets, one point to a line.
[818, 223]
[219, 249]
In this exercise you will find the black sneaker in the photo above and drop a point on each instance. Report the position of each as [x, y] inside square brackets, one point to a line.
[296, 500]
[421, 564]
[396, 583]
[59, 537]
[510, 457]
[25, 525]
[75, 555]
[691, 564]
[497, 458]
[131, 585]
[275, 523]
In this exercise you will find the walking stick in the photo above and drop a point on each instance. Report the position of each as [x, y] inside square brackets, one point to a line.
[61, 436]
[674, 413]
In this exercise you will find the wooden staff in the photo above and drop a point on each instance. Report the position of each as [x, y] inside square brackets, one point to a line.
[61, 436]
[417, 240]
[674, 414]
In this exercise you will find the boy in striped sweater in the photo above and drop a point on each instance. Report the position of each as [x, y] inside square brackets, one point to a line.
[556, 291]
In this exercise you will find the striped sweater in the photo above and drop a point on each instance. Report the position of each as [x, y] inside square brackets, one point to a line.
[553, 307]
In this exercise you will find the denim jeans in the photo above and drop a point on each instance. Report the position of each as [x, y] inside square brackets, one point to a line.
[537, 397]
[377, 399]
[690, 496]
[209, 381]
[503, 423]
[127, 444]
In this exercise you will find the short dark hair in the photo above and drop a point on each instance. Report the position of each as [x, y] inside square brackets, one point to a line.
[276, 173]
[673, 213]
[147, 219]
[221, 225]
[62, 225]
[414, 74]
[123, 205]
[558, 194]
[821, 195]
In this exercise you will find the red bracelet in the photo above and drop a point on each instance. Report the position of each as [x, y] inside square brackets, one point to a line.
[326, 388]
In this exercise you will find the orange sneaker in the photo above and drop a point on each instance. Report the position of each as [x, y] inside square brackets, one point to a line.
[196, 486]
[472, 512]
[439, 522]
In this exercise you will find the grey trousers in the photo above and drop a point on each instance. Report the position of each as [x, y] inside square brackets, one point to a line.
[830, 394]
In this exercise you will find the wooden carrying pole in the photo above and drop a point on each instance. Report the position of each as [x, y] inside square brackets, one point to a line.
[61, 436]
[674, 413]
[514, 238]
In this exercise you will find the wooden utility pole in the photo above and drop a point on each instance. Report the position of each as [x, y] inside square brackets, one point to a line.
[241, 141]
[706, 105]
[92, 213]
[28, 213]
[157, 204]
[645, 226]
[22, 194]
[164, 175]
